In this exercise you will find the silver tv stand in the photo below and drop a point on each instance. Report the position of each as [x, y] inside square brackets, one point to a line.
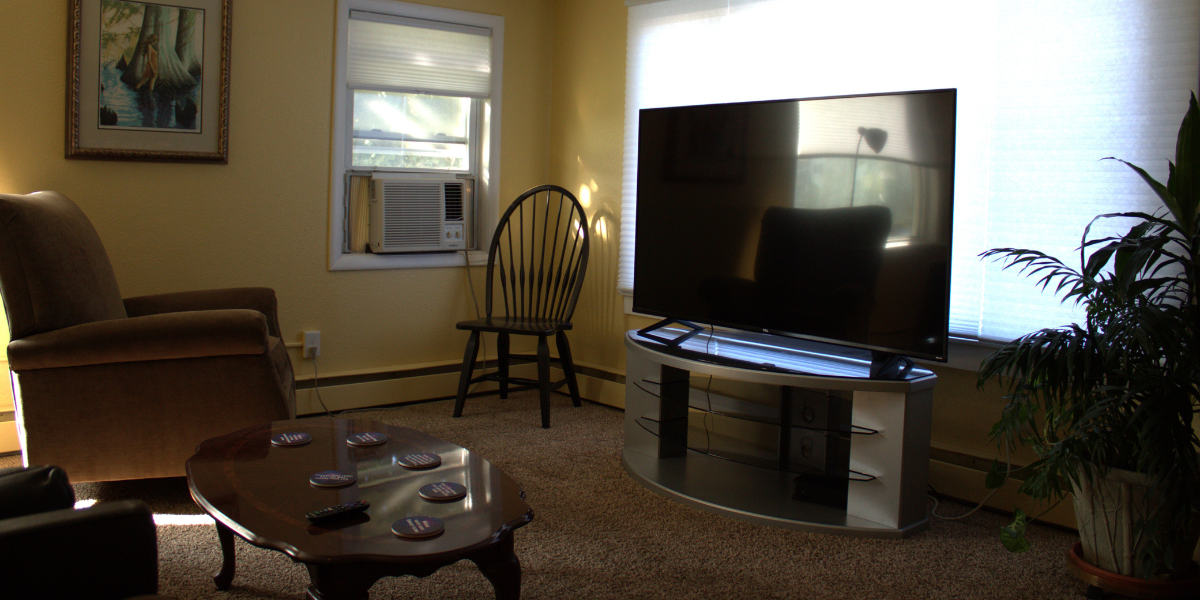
[888, 455]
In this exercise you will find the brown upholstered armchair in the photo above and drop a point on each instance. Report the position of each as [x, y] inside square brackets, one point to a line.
[111, 388]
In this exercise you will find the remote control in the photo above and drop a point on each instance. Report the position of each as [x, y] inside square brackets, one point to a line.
[349, 507]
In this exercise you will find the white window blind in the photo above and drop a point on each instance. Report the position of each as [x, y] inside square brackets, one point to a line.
[397, 54]
[1046, 88]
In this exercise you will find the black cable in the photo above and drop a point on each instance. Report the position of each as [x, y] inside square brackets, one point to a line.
[707, 395]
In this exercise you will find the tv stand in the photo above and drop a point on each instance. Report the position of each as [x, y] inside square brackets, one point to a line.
[878, 427]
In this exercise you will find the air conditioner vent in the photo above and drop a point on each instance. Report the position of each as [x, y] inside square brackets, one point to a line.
[454, 201]
[418, 215]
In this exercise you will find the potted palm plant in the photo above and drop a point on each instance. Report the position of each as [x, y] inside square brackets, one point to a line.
[1109, 405]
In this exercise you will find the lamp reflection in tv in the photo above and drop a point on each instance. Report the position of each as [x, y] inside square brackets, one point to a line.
[876, 139]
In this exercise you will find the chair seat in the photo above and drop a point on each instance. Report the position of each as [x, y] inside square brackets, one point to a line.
[517, 325]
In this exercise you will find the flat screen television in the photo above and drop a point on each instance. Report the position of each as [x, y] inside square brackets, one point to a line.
[827, 219]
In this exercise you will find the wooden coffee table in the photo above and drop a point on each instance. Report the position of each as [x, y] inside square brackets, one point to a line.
[261, 492]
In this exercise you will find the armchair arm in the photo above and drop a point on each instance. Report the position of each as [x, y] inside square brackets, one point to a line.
[108, 551]
[152, 337]
[27, 491]
[254, 298]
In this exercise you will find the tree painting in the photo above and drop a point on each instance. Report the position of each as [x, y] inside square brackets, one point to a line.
[151, 66]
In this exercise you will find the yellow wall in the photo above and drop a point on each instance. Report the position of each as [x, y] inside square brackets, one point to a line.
[263, 218]
[587, 132]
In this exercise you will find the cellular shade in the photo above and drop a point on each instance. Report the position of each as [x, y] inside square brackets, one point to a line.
[387, 53]
[1046, 89]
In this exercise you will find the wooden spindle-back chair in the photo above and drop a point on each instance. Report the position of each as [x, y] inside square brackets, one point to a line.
[536, 263]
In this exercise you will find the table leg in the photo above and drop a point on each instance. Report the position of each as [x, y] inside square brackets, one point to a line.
[348, 581]
[503, 569]
[224, 577]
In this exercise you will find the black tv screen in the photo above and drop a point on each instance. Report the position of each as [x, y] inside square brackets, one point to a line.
[821, 218]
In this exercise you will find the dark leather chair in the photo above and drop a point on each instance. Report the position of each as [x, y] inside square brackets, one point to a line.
[536, 263]
[111, 388]
[108, 551]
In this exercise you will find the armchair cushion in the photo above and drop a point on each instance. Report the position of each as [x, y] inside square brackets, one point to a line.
[55, 271]
[27, 491]
[165, 336]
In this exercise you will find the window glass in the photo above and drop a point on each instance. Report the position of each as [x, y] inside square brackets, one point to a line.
[411, 131]
[841, 181]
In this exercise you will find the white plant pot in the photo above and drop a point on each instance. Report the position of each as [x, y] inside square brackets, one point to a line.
[1107, 510]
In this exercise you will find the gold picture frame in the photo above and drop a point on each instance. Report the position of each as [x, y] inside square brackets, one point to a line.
[148, 81]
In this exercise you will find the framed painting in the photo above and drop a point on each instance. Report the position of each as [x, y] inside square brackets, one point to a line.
[148, 80]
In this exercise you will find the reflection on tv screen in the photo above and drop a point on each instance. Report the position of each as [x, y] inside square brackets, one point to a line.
[824, 218]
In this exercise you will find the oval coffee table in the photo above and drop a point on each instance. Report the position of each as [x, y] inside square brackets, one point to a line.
[261, 492]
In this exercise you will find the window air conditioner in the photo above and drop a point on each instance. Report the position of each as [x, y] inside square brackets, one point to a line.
[419, 214]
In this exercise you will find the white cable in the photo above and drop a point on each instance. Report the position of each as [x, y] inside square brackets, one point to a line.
[475, 301]
[1007, 472]
[317, 387]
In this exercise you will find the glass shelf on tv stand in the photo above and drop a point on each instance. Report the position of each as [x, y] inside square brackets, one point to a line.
[890, 506]
[712, 411]
[768, 353]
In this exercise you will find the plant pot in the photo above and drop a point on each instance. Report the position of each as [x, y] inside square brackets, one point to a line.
[1100, 580]
[1107, 510]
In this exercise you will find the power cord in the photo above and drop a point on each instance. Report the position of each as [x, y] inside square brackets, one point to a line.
[708, 397]
[1007, 472]
[317, 387]
[475, 301]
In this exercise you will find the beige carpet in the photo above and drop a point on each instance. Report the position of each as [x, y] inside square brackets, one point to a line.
[598, 534]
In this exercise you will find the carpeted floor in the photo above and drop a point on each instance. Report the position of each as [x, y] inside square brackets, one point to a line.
[598, 534]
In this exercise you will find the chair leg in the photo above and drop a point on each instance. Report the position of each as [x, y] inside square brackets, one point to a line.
[502, 360]
[464, 380]
[544, 383]
[568, 367]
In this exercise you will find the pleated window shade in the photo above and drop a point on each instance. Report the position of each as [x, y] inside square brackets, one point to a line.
[1046, 88]
[397, 54]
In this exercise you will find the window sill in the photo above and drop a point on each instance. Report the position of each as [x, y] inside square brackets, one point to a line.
[367, 262]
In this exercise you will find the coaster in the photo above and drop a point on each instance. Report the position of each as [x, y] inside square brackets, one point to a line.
[443, 491]
[370, 438]
[332, 479]
[291, 439]
[417, 528]
[420, 460]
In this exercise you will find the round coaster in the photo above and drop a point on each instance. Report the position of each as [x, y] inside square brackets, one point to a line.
[443, 491]
[370, 438]
[291, 439]
[418, 527]
[332, 479]
[420, 460]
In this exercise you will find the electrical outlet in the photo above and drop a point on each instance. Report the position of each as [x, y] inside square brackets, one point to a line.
[312, 344]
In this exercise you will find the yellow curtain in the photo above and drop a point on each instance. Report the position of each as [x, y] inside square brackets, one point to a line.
[358, 228]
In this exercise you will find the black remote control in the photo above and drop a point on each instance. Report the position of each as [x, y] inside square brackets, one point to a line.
[349, 507]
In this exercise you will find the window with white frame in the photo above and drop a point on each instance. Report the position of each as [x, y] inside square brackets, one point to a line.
[1046, 88]
[414, 93]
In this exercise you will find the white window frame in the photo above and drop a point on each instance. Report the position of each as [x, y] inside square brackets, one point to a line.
[487, 172]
